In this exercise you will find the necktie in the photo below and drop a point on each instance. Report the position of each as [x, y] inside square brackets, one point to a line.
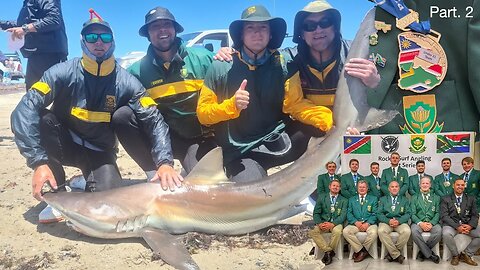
[333, 200]
[446, 176]
[361, 200]
[331, 177]
[459, 201]
[355, 179]
[465, 177]
[425, 197]
[394, 173]
[378, 180]
[394, 201]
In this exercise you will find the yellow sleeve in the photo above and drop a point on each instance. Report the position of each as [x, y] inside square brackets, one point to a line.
[209, 112]
[302, 109]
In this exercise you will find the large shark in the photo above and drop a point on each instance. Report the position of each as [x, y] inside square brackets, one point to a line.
[208, 202]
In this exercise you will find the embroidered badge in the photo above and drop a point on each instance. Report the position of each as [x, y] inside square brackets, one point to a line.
[382, 26]
[110, 103]
[369, 208]
[420, 113]
[373, 39]
[417, 144]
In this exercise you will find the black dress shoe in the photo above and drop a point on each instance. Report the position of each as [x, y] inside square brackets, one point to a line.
[389, 258]
[325, 257]
[329, 258]
[400, 259]
[435, 258]
[420, 256]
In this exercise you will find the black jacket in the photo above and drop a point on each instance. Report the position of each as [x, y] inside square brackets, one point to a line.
[468, 211]
[46, 16]
[84, 96]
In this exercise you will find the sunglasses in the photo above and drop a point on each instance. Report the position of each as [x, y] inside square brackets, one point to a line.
[310, 26]
[92, 37]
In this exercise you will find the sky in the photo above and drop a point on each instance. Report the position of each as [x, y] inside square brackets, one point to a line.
[126, 17]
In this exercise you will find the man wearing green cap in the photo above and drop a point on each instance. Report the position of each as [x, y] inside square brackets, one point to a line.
[173, 76]
[79, 128]
[242, 100]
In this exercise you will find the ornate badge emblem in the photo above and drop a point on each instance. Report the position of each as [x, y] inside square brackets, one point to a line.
[420, 113]
[110, 103]
[422, 62]
[417, 144]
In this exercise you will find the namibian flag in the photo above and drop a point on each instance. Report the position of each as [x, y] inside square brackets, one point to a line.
[457, 143]
[408, 51]
[357, 145]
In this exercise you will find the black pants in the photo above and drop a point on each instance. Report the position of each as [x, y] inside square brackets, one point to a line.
[138, 145]
[254, 165]
[98, 167]
[38, 64]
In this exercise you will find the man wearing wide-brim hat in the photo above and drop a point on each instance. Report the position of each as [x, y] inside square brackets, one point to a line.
[173, 76]
[243, 99]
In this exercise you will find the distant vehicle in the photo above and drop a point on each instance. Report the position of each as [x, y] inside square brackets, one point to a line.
[212, 40]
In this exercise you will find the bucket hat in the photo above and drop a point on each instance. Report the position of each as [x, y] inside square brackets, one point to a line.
[158, 13]
[314, 7]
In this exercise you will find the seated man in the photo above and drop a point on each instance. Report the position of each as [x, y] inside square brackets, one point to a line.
[361, 217]
[443, 183]
[414, 180]
[394, 173]
[373, 180]
[243, 99]
[459, 214]
[77, 131]
[329, 214]
[425, 207]
[393, 214]
[350, 180]
[324, 180]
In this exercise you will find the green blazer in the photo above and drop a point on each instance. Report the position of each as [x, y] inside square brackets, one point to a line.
[323, 182]
[457, 97]
[401, 212]
[425, 211]
[373, 187]
[365, 213]
[442, 187]
[402, 178]
[323, 212]
[472, 185]
[414, 183]
[349, 189]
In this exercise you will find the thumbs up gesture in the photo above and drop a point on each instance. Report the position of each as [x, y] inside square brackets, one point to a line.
[242, 96]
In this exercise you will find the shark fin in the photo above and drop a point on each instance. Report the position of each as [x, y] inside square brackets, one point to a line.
[209, 170]
[170, 248]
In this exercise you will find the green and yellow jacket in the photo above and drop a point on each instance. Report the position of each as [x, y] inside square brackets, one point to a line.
[374, 188]
[425, 211]
[349, 187]
[414, 183]
[401, 177]
[444, 187]
[324, 211]
[239, 131]
[175, 86]
[323, 182]
[401, 212]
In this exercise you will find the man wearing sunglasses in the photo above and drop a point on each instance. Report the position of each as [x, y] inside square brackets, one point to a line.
[173, 76]
[79, 129]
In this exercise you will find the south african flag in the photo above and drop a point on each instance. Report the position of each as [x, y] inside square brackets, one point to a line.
[457, 143]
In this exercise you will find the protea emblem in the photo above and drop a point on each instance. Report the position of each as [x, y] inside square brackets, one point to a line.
[420, 113]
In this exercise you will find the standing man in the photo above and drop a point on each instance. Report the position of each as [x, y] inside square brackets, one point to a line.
[443, 183]
[471, 177]
[361, 217]
[393, 215]
[324, 180]
[395, 172]
[425, 207]
[351, 179]
[77, 130]
[40, 22]
[459, 215]
[329, 215]
[373, 180]
[414, 180]
[173, 75]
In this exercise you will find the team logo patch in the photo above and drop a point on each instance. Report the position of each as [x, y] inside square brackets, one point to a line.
[251, 10]
[420, 112]
[458, 143]
[390, 144]
[417, 143]
[357, 145]
[422, 62]
[184, 73]
[110, 103]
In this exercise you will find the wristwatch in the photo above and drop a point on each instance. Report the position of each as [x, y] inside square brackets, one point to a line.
[25, 28]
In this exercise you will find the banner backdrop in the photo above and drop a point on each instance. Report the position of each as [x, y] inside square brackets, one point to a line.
[430, 147]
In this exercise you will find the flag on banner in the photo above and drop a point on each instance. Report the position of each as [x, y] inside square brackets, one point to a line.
[458, 143]
[357, 145]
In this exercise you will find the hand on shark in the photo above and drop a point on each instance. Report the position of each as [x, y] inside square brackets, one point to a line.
[363, 69]
[168, 177]
[41, 175]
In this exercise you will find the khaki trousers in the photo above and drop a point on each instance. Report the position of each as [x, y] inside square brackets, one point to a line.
[384, 231]
[317, 235]
[349, 235]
